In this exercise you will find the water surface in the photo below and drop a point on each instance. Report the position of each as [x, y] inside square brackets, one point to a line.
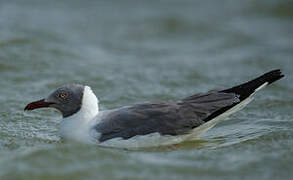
[136, 51]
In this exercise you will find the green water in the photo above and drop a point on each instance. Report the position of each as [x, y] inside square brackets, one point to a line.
[134, 51]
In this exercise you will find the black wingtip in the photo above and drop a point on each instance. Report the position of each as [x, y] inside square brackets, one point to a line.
[246, 89]
[273, 76]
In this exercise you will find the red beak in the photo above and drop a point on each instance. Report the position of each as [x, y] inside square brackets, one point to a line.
[37, 104]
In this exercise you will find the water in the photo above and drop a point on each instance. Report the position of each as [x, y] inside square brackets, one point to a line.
[135, 51]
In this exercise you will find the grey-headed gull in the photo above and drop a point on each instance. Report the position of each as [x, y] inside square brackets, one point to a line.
[148, 124]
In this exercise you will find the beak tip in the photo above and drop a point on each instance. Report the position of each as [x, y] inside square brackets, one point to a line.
[26, 108]
[37, 104]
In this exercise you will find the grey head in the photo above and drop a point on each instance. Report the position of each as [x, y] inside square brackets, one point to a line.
[67, 99]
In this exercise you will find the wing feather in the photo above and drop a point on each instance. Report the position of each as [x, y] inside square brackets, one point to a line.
[166, 118]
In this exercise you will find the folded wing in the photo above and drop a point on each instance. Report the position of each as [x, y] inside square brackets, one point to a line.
[165, 118]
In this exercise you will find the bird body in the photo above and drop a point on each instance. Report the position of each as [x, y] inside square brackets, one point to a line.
[148, 124]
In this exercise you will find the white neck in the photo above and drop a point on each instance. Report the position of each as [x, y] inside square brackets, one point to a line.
[77, 126]
[89, 107]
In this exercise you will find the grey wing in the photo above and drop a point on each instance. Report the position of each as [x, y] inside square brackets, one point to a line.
[205, 105]
[142, 119]
[166, 118]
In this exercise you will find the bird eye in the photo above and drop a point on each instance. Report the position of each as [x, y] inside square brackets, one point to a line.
[62, 95]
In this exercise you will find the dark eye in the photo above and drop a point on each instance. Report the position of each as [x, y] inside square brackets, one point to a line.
[62, 95]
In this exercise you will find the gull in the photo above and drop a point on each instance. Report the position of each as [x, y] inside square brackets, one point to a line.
[150, 124]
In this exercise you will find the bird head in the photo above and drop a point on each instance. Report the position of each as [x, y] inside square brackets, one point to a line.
[67, 99]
